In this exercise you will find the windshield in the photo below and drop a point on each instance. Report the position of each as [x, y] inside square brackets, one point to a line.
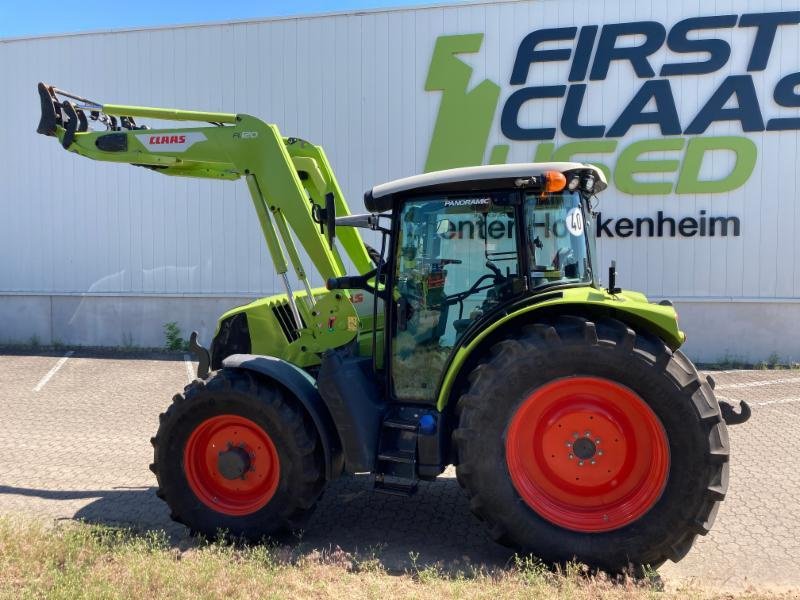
[555, 228]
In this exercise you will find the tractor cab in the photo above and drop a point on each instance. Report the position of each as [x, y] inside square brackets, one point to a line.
[465, 244]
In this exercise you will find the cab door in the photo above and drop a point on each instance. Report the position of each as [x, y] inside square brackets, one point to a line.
[456, 257]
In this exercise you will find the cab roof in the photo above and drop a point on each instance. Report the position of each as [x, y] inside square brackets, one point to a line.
[465, 179]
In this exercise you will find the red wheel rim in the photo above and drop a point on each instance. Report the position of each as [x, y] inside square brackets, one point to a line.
[587, 454]
[231, 465]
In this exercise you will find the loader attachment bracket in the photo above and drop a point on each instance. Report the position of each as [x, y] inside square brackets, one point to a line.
[71, 124]
[70, 114]
[51, 111]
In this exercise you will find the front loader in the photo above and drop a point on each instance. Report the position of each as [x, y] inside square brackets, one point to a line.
[577, 427]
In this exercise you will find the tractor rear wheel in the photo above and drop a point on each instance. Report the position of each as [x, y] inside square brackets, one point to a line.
[589, 441]
[234, 454]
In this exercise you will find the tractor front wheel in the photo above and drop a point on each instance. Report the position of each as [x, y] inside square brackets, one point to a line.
[235, 454]
[591, 441]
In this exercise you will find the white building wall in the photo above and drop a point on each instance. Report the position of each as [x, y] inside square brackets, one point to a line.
[127, 242]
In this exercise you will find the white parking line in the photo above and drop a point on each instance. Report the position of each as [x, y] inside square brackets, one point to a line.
[766, 403]
[53, 371]
[187, 360]
[749, 384]
[780, 401]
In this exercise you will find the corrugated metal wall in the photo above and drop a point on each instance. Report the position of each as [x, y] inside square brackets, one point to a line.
[354, 84]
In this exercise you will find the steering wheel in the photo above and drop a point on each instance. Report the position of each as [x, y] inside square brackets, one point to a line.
[496, 276]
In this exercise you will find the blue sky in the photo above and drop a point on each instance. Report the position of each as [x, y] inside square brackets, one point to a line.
[40, 17]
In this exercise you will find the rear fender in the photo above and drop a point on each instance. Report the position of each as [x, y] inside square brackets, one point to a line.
[629, 307]
[303, 387]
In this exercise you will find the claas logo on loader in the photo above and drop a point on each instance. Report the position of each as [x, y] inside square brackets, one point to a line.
[172, 142]
[167, 139]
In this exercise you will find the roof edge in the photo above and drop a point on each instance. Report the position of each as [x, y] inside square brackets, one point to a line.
[257, 20]
[476, 173]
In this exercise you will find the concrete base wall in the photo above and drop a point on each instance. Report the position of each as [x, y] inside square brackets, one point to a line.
[108, 320]
[744, 331]
[716, 330]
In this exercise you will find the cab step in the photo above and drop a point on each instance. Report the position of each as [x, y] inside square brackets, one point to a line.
[399, 456]
[396, 465]
[402, 424]
[395, 486]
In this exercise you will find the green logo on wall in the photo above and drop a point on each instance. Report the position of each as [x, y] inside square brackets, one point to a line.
[465, 117]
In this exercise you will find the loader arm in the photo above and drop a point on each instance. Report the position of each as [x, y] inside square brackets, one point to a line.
[290, 182]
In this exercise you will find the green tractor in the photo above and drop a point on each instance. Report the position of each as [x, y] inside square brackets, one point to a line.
[478, 335]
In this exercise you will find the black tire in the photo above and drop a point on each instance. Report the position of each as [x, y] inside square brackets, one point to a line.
[299, 451]
[683, 401]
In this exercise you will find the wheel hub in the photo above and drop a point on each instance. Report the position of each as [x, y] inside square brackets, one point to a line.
[584, 448]
[231, 464]
[234, 462]
[587, 454]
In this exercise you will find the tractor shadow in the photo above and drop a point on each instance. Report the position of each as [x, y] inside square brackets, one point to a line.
[433, 528]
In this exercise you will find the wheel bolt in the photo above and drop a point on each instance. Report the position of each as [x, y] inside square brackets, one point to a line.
[588, 433]
[599, 453]
[594, 462]
[580, 463]
[571, 456]
[575, 435]
[569, 445]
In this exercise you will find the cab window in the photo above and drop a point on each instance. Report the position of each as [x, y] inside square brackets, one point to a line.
[555, 227]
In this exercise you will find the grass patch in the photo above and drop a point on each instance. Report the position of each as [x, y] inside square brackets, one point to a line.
[773, 363]
[76, 560]
[172, 337]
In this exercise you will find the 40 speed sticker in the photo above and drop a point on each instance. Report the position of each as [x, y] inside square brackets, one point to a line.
[574, 221]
